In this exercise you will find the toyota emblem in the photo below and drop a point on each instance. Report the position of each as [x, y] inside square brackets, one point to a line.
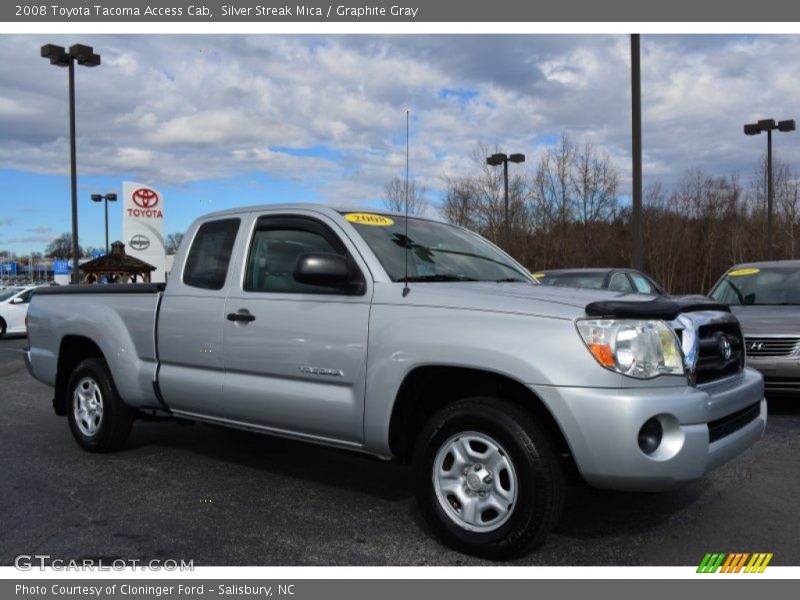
[725, 348]
[145, 198]
[140, 242]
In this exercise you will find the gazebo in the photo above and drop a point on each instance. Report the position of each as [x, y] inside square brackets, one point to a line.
[117, 267]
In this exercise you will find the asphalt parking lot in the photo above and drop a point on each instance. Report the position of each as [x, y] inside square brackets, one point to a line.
[225, 497]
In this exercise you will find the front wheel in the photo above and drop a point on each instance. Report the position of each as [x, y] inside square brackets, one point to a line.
[100, 421]
[488, 480]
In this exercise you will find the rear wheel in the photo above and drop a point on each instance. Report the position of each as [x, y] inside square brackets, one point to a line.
[488, 480]
[98, 418]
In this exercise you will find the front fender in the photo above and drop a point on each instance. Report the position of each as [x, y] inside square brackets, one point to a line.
[528, 349]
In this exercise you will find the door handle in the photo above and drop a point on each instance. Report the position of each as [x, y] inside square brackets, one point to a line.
[242, 315]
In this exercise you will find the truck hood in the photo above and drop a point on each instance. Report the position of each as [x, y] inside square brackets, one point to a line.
[768, 320]
[544, 300]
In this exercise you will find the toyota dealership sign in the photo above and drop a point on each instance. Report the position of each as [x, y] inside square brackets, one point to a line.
[146, 204]
[143, 225]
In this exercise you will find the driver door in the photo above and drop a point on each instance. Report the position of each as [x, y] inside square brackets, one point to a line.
[295, 354]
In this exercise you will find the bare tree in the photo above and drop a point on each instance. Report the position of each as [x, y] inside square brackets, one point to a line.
[460, 205]
[566, 213]
[553, 197]
[172, 242]
[477, 201]
[594, 181]
[61, 247]
[786, 203]
[574, 192]
[394, 196]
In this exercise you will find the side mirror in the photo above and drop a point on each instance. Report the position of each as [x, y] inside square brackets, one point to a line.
[327, 270]
[16, 300]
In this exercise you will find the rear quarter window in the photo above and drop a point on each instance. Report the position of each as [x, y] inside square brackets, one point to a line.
[210, 254]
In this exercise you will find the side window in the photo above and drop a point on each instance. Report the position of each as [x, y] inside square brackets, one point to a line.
[207, 262]
[275, 248]
[620, 283]
[26, 297]
[642, 285]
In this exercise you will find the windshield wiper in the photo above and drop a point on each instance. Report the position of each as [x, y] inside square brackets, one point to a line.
[511, 280]
[438, 277]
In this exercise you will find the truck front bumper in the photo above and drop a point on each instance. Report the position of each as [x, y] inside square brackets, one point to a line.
[703, 427]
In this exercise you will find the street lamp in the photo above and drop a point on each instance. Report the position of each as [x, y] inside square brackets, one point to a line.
[769, 125]
[105, 199]
[58, 56]
[495, 160]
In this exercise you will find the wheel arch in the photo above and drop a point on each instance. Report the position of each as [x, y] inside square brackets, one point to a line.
[426, 389]
[72, 350]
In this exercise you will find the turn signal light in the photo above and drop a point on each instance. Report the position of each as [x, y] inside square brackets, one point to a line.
[603, 354]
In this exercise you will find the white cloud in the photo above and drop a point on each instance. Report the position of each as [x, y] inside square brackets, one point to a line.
[177, 109]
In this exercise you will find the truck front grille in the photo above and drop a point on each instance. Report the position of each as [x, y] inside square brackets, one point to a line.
[720, 351]
[733, 422]
[763, 346]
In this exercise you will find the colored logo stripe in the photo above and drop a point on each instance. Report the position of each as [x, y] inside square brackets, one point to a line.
[711, 563]
[758, 563]
[734, 562]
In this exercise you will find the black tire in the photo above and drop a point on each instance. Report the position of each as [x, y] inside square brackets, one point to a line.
[539, 477]
[114, 424]
[2, 328]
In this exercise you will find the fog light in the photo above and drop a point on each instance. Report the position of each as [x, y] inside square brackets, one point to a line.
[650, 436]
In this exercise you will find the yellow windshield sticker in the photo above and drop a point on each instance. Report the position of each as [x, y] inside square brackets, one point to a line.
[538, 275]
[741, 272]
[369, 219]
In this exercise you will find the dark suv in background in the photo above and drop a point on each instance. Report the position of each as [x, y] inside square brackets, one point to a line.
[765, 297]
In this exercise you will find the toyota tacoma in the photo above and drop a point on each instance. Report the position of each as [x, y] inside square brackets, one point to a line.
[411, 340]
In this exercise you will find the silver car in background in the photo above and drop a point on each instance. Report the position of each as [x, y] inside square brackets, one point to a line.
[765, 297]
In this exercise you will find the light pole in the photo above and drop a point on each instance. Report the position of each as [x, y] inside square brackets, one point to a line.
[637, 247]
[84, 55]
[769, 125]
[105, 199]
[503, 159]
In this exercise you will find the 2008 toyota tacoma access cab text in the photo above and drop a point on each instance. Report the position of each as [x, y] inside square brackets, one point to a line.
[411, 340]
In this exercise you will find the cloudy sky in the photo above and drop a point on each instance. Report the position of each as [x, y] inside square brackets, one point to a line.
[222, 121]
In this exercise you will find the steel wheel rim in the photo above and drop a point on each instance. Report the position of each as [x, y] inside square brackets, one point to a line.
[87, 406]
[475, 481]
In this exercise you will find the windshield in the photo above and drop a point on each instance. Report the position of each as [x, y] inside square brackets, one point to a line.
[436, 251]
[759, 286]
[578, 280]
[6, 294]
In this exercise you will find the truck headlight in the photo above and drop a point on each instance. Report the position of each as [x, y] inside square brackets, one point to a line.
[641, 349]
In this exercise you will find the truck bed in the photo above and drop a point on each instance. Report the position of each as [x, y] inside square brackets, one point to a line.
[118, 319]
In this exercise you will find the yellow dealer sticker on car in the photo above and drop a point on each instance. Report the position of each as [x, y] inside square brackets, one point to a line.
[538, 275]
[369, 219]
[741, 272]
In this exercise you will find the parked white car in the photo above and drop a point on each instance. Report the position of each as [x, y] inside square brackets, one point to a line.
[13, 308]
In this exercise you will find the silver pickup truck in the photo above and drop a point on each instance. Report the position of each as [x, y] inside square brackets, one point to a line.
[410, 340]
